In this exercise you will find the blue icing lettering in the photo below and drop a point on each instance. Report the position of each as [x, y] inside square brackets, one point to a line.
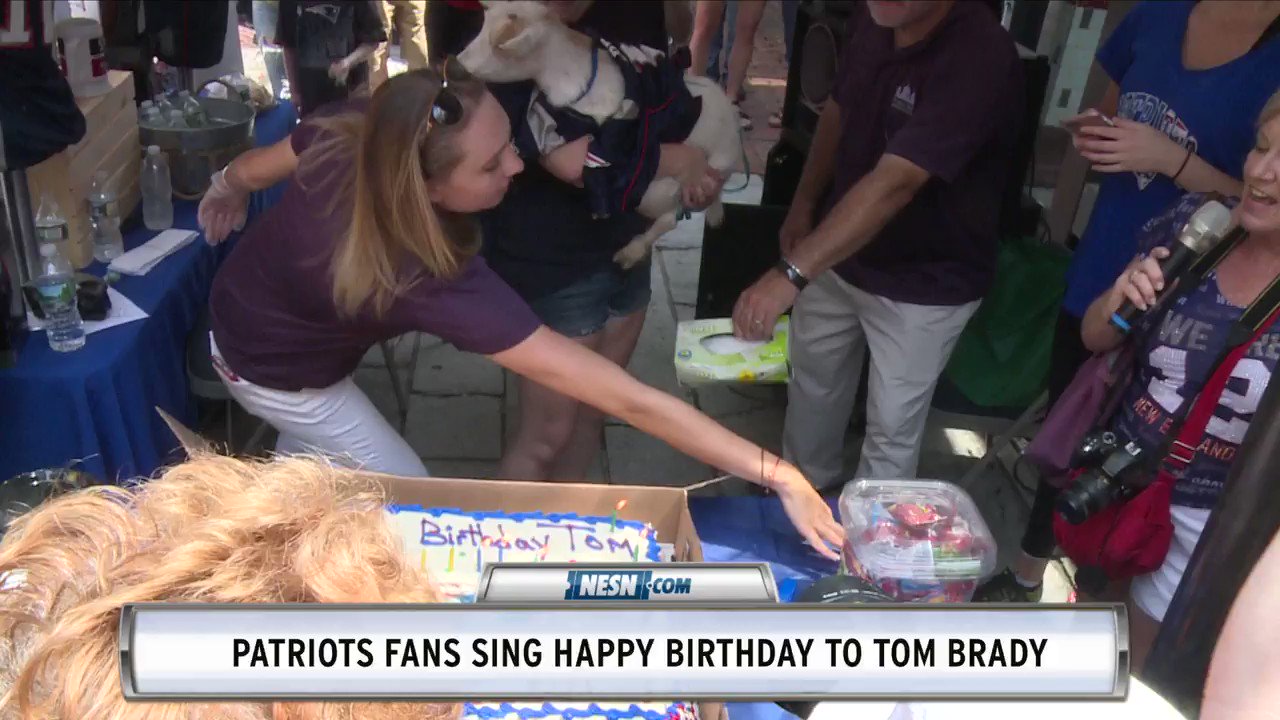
[550, 710]
[568, 528]
[593, 542]
[431, 535]
[621, 545]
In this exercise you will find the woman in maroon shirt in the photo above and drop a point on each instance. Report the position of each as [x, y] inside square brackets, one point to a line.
[372, 240]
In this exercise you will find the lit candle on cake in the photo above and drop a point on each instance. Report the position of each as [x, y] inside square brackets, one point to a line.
[451, 559]
[422, 562]
[613, 521]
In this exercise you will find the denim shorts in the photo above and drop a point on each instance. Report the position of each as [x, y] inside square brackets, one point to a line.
[584, 307]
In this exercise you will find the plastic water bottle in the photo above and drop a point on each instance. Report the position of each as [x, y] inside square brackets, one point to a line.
[56, 288]
[157, 191]
[192, 110]
[176, 120]
[51, 226]
[162, 104]
[104, 219]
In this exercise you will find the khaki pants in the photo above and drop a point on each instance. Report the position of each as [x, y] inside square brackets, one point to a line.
[409, 17]
[831, 326]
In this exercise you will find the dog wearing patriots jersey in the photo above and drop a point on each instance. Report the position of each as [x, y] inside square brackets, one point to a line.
[591, 84]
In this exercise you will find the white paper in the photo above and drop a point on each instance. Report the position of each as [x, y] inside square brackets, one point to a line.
[728, 344]
[141, 259]
[123, 310]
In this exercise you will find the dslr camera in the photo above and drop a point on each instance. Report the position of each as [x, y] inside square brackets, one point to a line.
[1113, 473]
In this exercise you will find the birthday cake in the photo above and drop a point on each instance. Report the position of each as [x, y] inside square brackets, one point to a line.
[453, 547]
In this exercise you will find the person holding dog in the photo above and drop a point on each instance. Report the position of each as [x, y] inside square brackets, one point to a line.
[373, 239]
[544, 241]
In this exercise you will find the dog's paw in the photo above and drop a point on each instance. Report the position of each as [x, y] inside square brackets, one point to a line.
[629, 256]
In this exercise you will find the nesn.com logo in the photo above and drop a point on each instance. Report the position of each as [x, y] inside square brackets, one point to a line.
[622, 585]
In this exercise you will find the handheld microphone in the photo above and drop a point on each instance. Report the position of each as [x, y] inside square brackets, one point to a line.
[1203, 231]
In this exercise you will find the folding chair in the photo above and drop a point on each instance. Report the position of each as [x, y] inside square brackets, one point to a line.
[1002, 426]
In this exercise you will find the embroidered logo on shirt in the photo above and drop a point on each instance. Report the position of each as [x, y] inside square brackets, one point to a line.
[1151, 110]
[328, 12]
[904, 99]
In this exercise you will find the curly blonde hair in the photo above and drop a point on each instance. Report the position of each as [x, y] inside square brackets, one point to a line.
[213, 529]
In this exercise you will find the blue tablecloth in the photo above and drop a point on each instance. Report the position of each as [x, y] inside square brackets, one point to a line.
[755, 529]
[99, 403]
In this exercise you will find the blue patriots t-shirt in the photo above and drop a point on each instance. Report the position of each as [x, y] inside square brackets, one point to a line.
[1211, 111]
[1180, 346]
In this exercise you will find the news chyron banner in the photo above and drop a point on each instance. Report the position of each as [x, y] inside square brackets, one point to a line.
[636, 632]
[652, 582]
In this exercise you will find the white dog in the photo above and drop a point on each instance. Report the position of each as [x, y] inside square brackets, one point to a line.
[523, 40]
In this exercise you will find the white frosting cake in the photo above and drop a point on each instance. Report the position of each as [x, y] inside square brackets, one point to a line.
[453, 547]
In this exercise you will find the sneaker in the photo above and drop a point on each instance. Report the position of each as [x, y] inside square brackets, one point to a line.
[1005, 588]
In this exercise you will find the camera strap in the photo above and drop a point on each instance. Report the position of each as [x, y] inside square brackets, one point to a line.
[1188, 429]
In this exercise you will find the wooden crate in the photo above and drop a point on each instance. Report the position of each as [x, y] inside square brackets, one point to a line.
[110, 144]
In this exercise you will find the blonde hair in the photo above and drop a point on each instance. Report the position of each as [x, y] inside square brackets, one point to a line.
[397, 147]
[1270, 110]
[212, 529]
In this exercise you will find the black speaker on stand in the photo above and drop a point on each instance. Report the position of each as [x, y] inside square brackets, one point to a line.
[821, 26]
[738, 252]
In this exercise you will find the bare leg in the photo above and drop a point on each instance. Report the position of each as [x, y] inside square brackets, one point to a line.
[707, 16]
[617, 344]
[744, 37]
[547, 423]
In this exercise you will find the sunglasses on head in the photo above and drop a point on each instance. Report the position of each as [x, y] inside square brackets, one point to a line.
[446, 109]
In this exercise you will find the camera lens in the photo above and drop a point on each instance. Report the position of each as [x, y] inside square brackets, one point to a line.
[1090, 493]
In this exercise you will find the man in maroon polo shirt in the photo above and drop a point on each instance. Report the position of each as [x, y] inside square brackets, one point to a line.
[914, 150]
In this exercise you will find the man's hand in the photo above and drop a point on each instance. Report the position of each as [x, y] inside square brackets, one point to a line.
[758, 309]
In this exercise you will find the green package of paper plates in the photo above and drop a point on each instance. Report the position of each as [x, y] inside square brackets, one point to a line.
[707, 352]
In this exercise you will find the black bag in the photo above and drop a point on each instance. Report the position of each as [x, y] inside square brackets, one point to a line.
[38, 113]
[187, 34]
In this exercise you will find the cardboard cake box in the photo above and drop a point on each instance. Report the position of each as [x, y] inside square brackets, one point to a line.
[110, 144]
[665, 508]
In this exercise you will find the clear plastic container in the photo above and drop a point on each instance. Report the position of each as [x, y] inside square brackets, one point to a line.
[916, 540]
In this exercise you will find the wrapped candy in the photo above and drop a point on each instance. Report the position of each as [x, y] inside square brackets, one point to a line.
[917, 541]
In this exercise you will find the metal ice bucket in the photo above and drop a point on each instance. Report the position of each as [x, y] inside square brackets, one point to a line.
[196, 153]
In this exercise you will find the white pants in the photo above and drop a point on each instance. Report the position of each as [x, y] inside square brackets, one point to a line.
[338, 421]
[831, 325]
